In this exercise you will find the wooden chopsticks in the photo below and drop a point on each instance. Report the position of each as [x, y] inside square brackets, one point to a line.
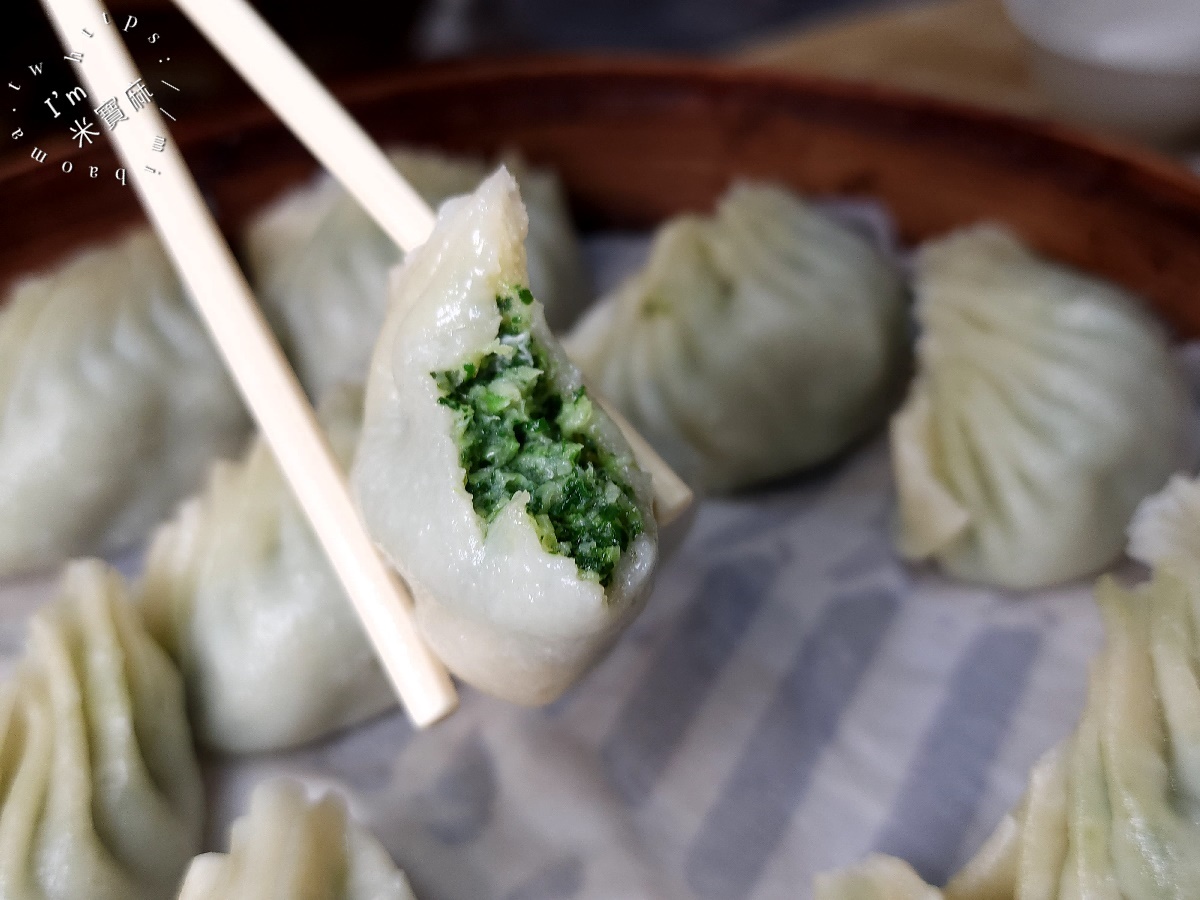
[224, 301]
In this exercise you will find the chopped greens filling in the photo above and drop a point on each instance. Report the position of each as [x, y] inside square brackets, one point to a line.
[517, 431]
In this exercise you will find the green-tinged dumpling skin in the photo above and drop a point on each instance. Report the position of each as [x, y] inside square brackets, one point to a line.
[290, 848]
[113, 402]
[238, 589]
[506, 497]
[102, 797]
[320, 263]
[755, 342]
[1046, 405]
[1111, 812]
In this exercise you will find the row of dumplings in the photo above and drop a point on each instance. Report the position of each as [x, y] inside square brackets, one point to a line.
[755, 342]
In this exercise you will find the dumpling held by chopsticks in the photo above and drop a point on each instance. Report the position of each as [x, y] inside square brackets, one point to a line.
[505, 496]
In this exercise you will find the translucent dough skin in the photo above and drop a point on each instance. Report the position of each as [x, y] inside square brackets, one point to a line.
[288, 848]
[1046, 406]
[504, 614]
[320, 264]
[1110, 813]
[754, 343]
[102, 796]
[112, 404]
[238, 590]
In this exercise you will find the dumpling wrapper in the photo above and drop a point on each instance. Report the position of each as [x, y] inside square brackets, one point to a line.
[289, 848]
[113, 402]
[320, 263]
[756, 342]
[504, 614]
[102, 792]
[1046, 406]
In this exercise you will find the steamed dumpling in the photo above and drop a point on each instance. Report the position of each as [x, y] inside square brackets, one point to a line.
[1111, 812]
[508, 501]
[113, 402]
[238, 589]
[102, 796]
[1046, 405]
[756, 342]
[290, 848]
[320, 264]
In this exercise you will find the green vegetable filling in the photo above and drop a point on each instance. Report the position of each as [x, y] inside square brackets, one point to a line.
[517, 431]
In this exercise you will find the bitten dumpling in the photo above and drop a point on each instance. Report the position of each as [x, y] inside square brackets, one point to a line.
[113, 402]
[288, 848]
[102, 796]
[237, 588]
[1046, 405]
[755, 343]
[320, 263]
[1111, 812]
[507, 499]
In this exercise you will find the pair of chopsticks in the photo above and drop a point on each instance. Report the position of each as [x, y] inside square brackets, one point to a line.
[226, 304]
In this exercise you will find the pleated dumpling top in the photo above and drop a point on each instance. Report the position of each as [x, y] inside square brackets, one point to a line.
[1046, 405]
[113, 402]
[102, 797]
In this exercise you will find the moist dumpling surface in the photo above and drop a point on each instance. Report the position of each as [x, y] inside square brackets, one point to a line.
[505, 612]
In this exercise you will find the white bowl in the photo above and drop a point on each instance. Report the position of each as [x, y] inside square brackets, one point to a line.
[1128, 65]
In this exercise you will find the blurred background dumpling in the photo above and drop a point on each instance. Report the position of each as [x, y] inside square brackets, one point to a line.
[1046, 405]
[240, 593]
[113, 402]
[102, 792]
[754, 343]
